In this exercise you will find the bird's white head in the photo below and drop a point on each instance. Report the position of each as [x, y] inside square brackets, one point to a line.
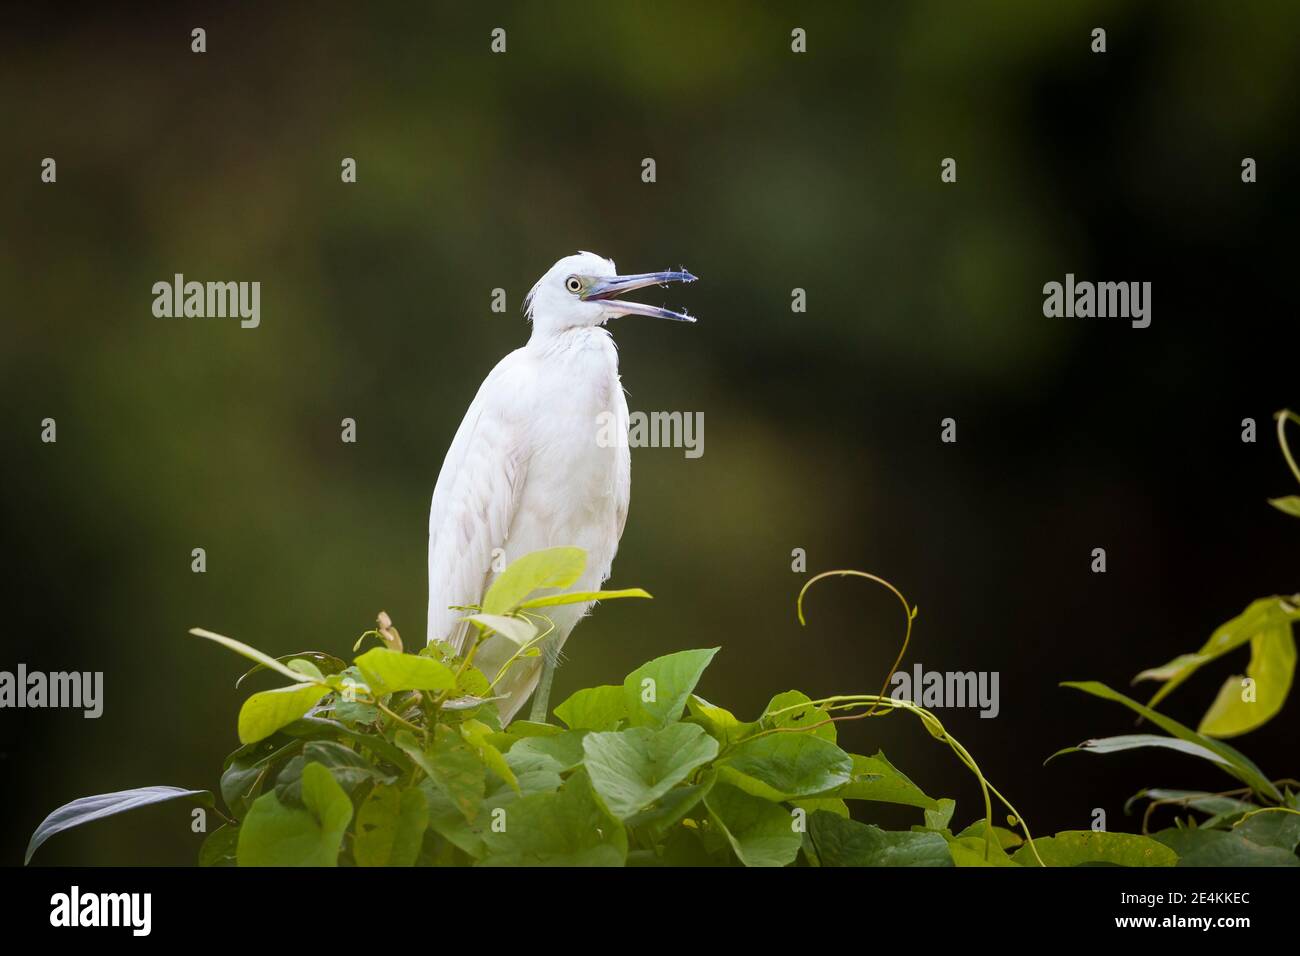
[582, 291]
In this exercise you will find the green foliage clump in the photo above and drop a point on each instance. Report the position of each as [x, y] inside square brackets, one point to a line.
[400, 759]
[1258, 822]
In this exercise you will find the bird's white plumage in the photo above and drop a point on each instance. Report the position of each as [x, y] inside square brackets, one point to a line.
[531, 467]
[477, 495]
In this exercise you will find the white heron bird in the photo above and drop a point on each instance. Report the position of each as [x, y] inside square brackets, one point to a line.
[531, 465]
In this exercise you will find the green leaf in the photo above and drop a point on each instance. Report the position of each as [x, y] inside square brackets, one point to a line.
[1274, 826]
[476, 733]
[1265, 622]
[268, 711]
[557, 753]
[390, 827]
[1289, 505]
[377, 826]
[655, 693]
[247, 768]
[1092, 847]
[783, 766]
[453, 766]
[972, 851]
[829, 804]
[317, 727]
[514, 629]
[1006, 839]
[719, 722]
[595, 708]
[218, 847]
[760, 832]
[1213, 804]
[875, 778]
[325, 664]
[349, 768]
[633, 768]
[354, 711]
[530, 777]
[1237, 764]
[940, 818]
[277, 835]
[686, 846]
[1197, 846]
[550, 568]
[252, 653]
[1271, 668]
[446, 820]
[532, 728]
[1183, 664]
[806, 715]
[566, 828]
[86, 809]
[656, 819]
[581, 597]
[1108, 745]
[471, 682]
[842, 842]
[306, 669]
[390, 671]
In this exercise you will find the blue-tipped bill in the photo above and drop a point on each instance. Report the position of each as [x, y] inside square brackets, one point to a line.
[609, 288]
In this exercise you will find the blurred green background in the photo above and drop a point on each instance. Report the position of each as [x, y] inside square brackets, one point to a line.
[775, 171]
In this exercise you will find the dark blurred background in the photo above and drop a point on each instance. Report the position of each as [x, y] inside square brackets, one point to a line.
[775, 171]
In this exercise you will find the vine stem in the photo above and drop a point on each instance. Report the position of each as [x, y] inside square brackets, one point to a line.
[1184, 802]
[399, 718]
[479, 637]
[910, 611]
[1282, 417]
[931, 722]
[935, 728]
[524, 648]
[1252, 813]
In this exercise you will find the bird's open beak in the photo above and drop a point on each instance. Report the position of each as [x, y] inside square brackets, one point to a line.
[609, 288]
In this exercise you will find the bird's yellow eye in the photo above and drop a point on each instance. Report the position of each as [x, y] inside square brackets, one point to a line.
[573, 284]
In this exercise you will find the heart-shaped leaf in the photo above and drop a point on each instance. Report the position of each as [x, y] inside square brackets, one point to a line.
[633, 768]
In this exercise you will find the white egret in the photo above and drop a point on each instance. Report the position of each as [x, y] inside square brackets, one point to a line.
[532, 465]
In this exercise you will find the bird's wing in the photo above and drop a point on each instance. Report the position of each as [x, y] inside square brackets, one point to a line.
[477, 495]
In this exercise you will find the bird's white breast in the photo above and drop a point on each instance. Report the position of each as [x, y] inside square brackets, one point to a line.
[573, 494]
[540, 461]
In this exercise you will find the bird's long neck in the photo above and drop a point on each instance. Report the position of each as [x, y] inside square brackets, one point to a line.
[549, 343]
